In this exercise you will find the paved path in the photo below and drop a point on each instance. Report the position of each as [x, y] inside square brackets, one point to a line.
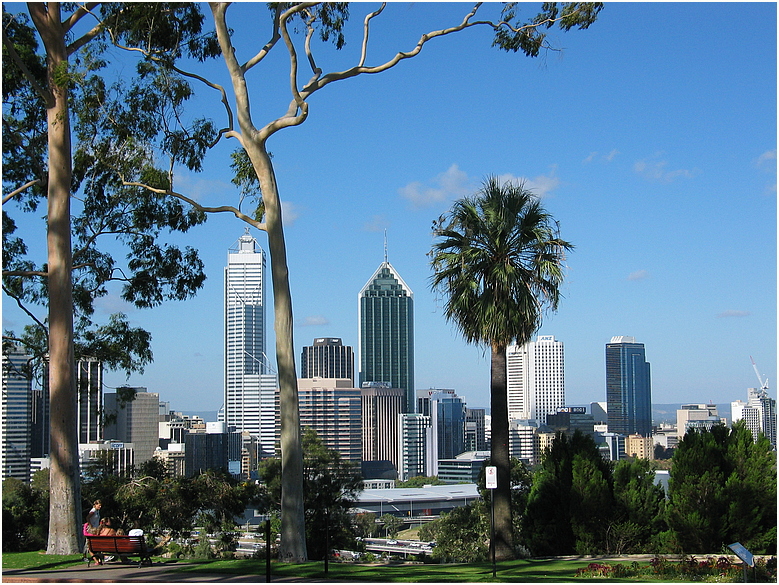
[119, 573]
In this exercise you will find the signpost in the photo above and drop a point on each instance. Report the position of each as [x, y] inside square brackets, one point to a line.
[492, 483]
[744, 555]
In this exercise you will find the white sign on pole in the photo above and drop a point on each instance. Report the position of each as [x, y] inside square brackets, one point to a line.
[492, 477]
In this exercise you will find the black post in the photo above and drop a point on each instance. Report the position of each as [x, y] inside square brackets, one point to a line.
[492, 532]
[267, 551]
[327, 539]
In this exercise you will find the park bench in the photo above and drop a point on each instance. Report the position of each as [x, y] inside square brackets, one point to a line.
[123, 546]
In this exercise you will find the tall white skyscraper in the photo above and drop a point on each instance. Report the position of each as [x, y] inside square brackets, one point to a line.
[249, 392]
[17, 415]
[536, 379]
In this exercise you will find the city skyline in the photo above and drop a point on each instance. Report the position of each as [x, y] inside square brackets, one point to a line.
[650, 140]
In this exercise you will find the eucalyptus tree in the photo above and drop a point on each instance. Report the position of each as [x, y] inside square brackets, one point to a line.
[293, 29]
[499, 261]
[51, 73]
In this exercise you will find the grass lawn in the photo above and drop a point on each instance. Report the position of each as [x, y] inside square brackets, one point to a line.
[554, 570]
[519, 571]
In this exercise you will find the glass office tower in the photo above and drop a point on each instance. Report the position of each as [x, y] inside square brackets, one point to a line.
[628, 388]
[247, 390]
[386, 317]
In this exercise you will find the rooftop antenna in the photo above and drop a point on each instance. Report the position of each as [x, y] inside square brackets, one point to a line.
[385, 247]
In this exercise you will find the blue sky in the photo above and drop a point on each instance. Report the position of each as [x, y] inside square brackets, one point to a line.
[651, 137]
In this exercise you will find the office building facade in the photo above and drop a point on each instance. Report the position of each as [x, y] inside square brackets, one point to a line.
[386, 337]
[17, 415]
[245, 389]
[535, 376]
[133, 421]
[380, 409]
[758, 413]
[628, 387]
[333, 408]
[413, 431]
[328, 357]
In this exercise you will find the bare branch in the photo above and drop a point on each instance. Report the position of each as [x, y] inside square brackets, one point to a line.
[15, 192]
[269, 45]
[22, 307]
[467, 22]
[221, 209]
[71, 21]
[45, 94]
[368, 18]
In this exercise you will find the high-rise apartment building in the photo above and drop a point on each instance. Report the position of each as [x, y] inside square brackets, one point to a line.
[759, 413]
[333, 409]
[475, 429]
[17, 415]
[535, 375]
[89, 381]
[133, 421]
[381, 406]
[412, 445]
[628, 387]
[386, 340]
[328, 357]
[248, 395]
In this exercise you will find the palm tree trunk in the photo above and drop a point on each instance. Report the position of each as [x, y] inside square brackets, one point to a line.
[500, 455]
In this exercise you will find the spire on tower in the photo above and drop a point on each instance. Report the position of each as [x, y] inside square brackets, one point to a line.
[385, 247]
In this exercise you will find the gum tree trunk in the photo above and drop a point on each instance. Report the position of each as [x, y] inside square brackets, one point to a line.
[65, 494]
[293, 528]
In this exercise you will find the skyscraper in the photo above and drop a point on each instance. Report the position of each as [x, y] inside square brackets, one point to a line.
[328, 357]
[386, 317]
[535, 376]
[380, 409]
[628, 387]
[17, 415]
[133, 421]
[758, 413]
[333, 409]
[89, 380]
[249, 389]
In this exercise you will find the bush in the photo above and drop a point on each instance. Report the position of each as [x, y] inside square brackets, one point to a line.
[711, 569]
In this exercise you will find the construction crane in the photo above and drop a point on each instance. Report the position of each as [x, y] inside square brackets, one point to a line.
[763, 385]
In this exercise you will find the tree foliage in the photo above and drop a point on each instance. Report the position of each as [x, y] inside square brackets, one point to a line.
[722, 490]
[499, 260]
[26, 513]
[330, 487]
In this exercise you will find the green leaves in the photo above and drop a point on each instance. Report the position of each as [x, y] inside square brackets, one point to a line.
[528, 37]
[499, 260]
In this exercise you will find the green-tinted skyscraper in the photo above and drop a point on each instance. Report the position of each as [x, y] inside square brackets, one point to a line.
[386, 316]
[628, 387]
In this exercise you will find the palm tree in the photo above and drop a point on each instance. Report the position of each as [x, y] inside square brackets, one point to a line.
[499, 259]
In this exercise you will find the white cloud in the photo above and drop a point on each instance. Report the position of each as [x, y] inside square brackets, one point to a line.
[447, 186]
[767, 160]
[597, 156]
[314, 321]
[733, 313]
[542, 185]
[289, 213]
[377, 223]
[655, 168]
[199, 189]
[638, 275]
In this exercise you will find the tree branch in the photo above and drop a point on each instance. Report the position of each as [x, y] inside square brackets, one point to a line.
[368, 18]
[45, 94]
[269, 45]
[15, 192]
[221, 209]
[22, 307]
